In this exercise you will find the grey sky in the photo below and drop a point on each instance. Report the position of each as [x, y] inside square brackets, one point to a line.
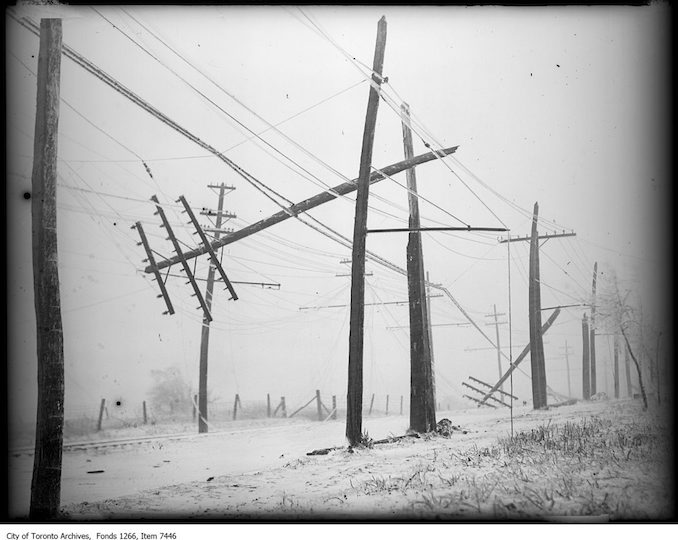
[565, 106]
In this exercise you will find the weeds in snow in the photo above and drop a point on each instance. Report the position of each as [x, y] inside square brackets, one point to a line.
[593, 467]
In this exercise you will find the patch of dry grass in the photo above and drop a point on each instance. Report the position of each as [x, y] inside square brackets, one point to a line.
[592, 467]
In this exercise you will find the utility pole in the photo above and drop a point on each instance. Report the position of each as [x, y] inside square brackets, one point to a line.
[354, 397]
[422, 399]
[615, 369]
[496, 326]
[539, 398]
[536, 342]
[205, 331]
[567, 367]
[429, 330]
[46, 481]
[586, 367]
[627, 370]
[592, 330]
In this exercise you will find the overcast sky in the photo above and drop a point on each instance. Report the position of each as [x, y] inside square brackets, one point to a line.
[564, 106]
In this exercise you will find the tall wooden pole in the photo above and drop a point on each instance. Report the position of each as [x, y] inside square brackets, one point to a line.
[422, 399]
[586, 366]
[567, 367]
[615, 373]
[46, 481]
[536, 341]
[627, 370]
[205, 331]
[354, 397]
[429, 331]
[592, 330]
[496, 327]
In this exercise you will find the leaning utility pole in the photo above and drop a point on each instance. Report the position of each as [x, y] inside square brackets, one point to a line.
[422, 399]
[46, 481]
[592, 330]
[354, 397]
[205, 332]
[586, 366]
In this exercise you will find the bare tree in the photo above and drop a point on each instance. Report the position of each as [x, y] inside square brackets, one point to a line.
[618, 314]
[170, 392]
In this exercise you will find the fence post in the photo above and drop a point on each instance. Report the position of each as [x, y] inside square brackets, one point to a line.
[334, 407]
[320, 405]
[284, 408]
[101, 413]
[401, 405]
[371, 404]
[195, 401]
[145, 415]
[235, 406]
[387, 396]
[268, 405]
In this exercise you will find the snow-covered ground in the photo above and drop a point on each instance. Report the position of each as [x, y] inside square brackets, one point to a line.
[261, 470]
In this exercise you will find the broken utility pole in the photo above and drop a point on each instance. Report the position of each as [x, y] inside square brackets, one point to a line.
[521, 356]
[46, 481]
[592, 330]
[205, 332]
[306, 205]
[354, 398]
[422, 399]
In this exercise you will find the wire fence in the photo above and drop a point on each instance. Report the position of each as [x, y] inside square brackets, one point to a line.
[111, 419]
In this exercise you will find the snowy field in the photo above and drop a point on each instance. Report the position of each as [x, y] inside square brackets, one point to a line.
[261, 470]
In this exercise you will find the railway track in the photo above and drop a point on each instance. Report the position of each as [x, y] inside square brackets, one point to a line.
[147, 439]
[107, 443]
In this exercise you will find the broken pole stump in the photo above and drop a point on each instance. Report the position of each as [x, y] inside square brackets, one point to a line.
[334, 407]
[145, 413]
[268, 405]
[371, 404]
